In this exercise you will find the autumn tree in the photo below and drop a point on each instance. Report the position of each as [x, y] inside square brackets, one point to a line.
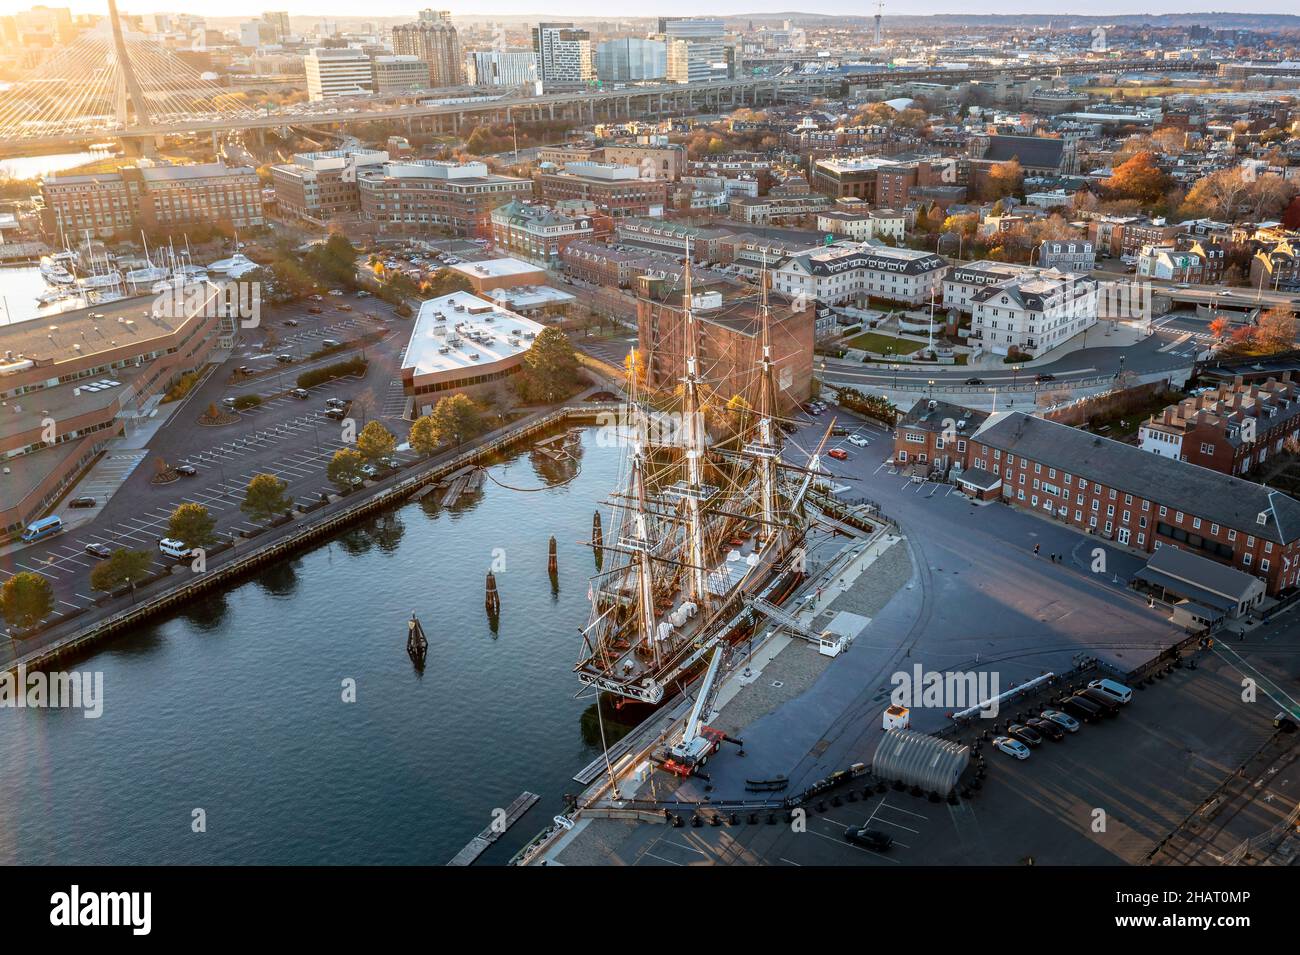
[193, 525]
[26, 599]
[344, 469]
[264, 498]
[375, 441]
[119, 567]
[1220, 327]
[1277, 330]
[550, 367]
[1138, 178]
[1003, 179]
[455, 419]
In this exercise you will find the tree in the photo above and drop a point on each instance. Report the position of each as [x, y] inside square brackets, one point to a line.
[26, 599]
[344, 468]
[446, 281]
[550, 367]
[424, 437]
[1220, 326]
[192, 525]
[1277, 330]
[1138, 178]
[264, 497]
[1004, 179]
[633, 367]
[455, 419]
[1217, 195]
[375, 442]
[119, 567]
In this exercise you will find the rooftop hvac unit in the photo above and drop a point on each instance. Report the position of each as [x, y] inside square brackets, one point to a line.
[443, 350]
[489, 318]
[473, 356]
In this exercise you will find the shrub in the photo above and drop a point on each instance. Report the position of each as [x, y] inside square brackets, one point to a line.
[342, 369]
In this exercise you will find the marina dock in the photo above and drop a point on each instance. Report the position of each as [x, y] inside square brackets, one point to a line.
[479, 844]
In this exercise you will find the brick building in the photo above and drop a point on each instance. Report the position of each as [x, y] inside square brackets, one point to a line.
[155, 198]
[319, 186]
[729, 339]
[604, 264]
[618, 191]
[1139, 500]
[1231, 430]
[414, 195]
[537, 233]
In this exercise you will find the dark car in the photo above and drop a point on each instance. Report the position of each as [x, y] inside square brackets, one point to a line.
[869, 838]
[1080, 708]
[1046, 728]
[314, 309]
[789, 427]
[284, 359]
[1106, 704]
[974, 381]
[186, 470]
[1044, 376]
[82, 502]
[1024, 734]
[338, 414]
[98, 550]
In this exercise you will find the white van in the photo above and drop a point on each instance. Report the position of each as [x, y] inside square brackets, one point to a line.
[1116, 691]
[173, 548]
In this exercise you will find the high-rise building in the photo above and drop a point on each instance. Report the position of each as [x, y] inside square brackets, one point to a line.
[432, 38]
[337, 72]
[278, 20]
[563, 53]
[629, 59]
[696, 50]
[500, 67]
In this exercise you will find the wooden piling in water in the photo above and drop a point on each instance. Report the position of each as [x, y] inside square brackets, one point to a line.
[417, 645]
[597, 540]
[491, 599]
[552, 560]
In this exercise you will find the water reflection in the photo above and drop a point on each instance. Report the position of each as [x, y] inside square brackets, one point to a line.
[209, 612]
[280, 580]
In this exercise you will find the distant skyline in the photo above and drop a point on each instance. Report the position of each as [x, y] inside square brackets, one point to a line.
[346, 9]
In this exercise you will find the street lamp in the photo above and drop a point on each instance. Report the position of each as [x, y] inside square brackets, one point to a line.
[895, 377]
[1121, 367]
[1015, 375]
[931, 383]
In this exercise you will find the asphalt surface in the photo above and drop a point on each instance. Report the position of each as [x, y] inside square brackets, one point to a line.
[285, 436]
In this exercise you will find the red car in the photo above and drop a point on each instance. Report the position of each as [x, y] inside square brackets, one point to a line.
[839, 454]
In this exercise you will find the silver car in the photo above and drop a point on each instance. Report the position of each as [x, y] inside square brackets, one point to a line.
[1064, 720]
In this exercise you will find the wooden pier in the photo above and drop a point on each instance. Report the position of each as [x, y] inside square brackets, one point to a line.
[479, 844]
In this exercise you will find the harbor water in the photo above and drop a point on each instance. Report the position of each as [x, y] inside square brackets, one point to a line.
[236, 708]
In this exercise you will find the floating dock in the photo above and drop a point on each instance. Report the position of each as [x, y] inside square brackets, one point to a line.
[479, 844]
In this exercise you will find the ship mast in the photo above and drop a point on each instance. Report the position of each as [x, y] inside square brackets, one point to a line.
[765, 449]
[693, 426]
[640, 542]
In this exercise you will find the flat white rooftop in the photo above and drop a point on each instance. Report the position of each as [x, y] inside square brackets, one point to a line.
[530, 296]
[497, 268]
[462, 332]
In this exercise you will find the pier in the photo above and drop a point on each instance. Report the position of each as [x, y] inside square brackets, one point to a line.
[480, 843]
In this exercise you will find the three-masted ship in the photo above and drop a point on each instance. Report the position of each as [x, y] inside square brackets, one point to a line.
[707, 532]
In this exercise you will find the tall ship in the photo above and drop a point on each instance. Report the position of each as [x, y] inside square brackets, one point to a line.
[707, 533]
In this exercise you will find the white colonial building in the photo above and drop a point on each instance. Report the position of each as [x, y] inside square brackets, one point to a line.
[1033, 313]
[853, 271]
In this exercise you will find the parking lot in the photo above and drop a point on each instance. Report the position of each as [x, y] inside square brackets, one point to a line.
[287, 437]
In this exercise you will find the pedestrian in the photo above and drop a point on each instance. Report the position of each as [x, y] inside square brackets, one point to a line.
[1035, 550]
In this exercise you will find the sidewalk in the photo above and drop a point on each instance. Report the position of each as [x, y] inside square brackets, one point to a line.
[1105, 334]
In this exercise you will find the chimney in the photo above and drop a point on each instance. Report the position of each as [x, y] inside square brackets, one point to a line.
[1169, 415]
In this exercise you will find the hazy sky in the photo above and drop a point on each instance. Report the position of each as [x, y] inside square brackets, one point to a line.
[602, 8]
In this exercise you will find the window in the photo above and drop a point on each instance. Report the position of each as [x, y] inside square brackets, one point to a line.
[1245, 559]
[1263, 565]
[1232, 535]
[1163, 510]
[1196, 523]
[1214, 529]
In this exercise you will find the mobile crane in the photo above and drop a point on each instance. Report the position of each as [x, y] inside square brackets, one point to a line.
[698, 742]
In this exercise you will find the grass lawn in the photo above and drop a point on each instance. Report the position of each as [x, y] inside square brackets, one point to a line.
[872, 341]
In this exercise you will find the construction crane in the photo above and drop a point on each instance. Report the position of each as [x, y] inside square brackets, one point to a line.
[698, 742]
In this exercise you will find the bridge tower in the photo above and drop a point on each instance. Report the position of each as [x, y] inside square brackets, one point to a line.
[130, 98]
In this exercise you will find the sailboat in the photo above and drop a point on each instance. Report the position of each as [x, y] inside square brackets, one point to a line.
[707, 535]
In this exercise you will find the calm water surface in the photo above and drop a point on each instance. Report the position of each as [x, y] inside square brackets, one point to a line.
[235, 707]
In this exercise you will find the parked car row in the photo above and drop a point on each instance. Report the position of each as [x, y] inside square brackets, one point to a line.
[1098, 699]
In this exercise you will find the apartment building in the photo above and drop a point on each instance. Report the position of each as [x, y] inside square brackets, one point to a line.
[1276, 267]
[849, 271]
[563, 54]
[399, 74]
[617, 190]
[774, 209]
[865, 225]
[319, 186]
[656, 162]
[1165, 262]
[501, 67]
[1232, 429]
[1032, 314]
[1125, 236]
[155, 198]
[537, 233]
[434, 40]
[1067, 255]
[411, 196]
